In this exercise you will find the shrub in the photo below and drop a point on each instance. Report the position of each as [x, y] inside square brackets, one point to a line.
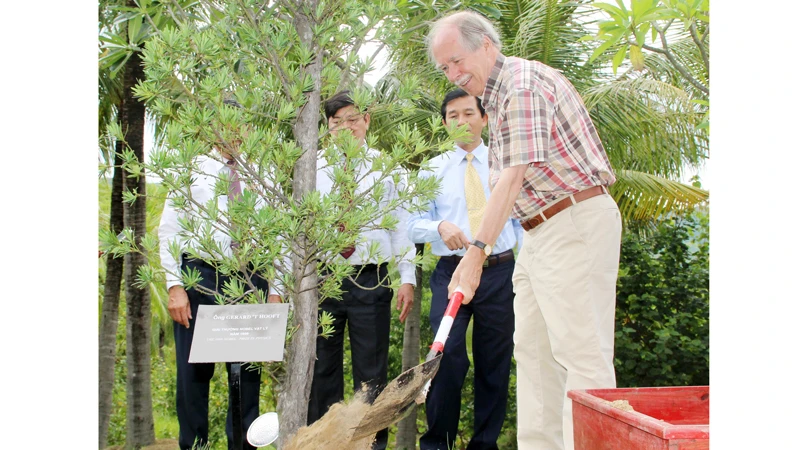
[662, 320]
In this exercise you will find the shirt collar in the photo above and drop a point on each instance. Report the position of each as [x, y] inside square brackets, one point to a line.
[481, 153]
[492, 89]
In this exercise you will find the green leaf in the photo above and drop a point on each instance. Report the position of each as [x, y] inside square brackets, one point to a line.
[641, 32]
[619, 57]
[616, 13]
[637, 58]
[610, 40]
[134, 26]
[489, 11]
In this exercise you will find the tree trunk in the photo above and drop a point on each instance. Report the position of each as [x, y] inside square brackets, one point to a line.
[296, 389]
[139, 426]
[407, 427]
[109, 319]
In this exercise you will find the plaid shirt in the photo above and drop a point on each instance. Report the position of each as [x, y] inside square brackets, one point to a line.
[536, 117]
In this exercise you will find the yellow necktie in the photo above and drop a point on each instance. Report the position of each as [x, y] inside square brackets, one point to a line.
[476, 198]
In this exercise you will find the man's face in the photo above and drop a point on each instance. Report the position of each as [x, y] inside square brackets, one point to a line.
[348, 118]
[467, 70]
[464, 110]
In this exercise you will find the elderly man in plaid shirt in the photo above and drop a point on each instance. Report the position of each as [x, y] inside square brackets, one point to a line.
[548, 169]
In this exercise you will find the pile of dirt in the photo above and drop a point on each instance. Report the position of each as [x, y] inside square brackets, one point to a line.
[335, 429]
[622, 404]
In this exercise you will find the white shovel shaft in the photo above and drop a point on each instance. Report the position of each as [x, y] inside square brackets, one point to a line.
[450, 315]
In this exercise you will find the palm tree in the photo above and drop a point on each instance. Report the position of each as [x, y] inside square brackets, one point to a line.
[110, 100]
[123, 31]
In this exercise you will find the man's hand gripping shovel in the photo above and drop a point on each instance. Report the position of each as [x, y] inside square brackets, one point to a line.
[413, 384]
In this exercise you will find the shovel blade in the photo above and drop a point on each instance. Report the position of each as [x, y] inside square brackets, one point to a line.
[396, 398]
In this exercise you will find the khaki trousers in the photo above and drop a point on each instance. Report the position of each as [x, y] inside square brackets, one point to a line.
[565, 284]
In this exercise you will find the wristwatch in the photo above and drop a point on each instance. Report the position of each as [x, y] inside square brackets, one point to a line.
[487, 248]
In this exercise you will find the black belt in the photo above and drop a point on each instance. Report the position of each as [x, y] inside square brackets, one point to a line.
[368, 267]
[492, 260]
[360, 268]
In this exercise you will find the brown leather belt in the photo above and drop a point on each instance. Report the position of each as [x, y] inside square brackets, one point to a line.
[561, 205]
[492, 260]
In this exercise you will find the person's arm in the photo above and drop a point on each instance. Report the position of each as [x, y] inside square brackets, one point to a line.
[426, 227]
[423, 226]
[276, 287]
[403, 251]
[498, 209]
[275, 290]
[525, 124]
[168, 229]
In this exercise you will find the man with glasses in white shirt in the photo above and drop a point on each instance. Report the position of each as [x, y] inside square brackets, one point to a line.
[365, 306]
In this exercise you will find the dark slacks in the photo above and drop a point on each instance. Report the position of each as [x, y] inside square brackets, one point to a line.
[492, 347]
[193, 379]
[367, 314]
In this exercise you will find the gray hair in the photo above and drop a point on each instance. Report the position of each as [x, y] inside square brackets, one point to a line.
[471, 26]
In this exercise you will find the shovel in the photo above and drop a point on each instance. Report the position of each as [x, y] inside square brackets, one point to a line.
[412, 385]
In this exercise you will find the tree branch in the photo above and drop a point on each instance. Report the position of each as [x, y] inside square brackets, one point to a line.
[354, 49]
[682, 70]
[270, 51]
[372, 58]
[700, 45]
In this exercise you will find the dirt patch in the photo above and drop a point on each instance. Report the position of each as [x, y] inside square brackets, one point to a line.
[622, 404]
[335, 429]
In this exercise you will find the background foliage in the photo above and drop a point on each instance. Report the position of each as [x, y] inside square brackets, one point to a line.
[662, 320]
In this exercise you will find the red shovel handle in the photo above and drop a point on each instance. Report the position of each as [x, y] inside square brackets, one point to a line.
[447, 320]
[441, 335]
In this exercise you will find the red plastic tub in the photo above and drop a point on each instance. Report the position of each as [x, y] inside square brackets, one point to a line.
[668, 418]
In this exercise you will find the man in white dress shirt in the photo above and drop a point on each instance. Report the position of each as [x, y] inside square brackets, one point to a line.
[193, 379]
[365, 306]
[447, 225]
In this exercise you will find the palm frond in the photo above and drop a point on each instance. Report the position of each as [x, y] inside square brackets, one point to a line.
[648, 125]
[645, 198]
[547, 31]
[416, 114]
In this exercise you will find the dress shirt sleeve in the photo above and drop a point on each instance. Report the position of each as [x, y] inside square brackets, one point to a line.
[402, 248]
[423, 226]
[276, 286]
[519, 232]
[168, 231]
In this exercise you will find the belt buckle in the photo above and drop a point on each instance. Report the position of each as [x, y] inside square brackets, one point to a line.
[486, 262]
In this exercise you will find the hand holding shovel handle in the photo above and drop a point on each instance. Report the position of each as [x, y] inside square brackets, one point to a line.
[441, 335]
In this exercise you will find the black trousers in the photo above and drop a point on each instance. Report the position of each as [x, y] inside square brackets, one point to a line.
[492, 309]
[367, 314]
[193, 379]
